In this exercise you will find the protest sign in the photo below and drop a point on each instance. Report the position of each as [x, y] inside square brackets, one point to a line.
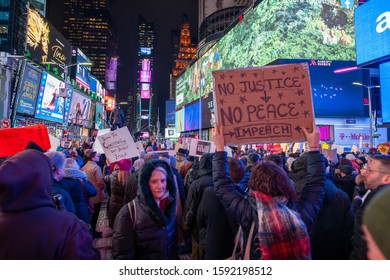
[200, 147]
[140, 146]
[331, 155]
[54, 143]
[177, 147]
[118, 144]
[14, 140]
[264, 105]
[96, 145]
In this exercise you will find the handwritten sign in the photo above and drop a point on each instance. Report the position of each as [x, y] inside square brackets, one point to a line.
[263, 105]
[200, 147]
[96, 145]
[140, 147]
[118, 144]
[331, 155]
[14, 140]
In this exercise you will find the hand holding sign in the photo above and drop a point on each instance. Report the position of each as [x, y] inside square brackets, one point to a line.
[313, 138]
[218, 137]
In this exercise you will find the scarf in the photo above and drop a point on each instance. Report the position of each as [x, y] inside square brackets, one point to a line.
[281, 233]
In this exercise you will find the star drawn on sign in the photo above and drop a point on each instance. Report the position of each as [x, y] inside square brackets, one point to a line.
[280, 95]
[299, 92]
[223, 76]
[306, 113]
[303, 76]
[243, 99]
[296, 69]
[284, 72]
[256, 75]
[222, 101]
[243, 75]
[231, 77]
[274, 72]
[302, 102]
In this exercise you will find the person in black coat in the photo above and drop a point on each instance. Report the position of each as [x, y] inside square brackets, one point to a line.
[345, 180]
[220, 227]
[146, 228]
[331, 234]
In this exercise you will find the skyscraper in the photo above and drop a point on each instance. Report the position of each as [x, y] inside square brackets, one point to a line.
[87, 24]
[146, 109]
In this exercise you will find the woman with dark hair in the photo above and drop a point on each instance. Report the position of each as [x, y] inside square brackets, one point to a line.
[146, 227]
[281, 223]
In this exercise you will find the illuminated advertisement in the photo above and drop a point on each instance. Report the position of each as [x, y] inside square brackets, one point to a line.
[99, 116]
[372, 21]
[83, 76]
[145, 91]
[110, 103]
[80, 108]
[145, 51]
[385, 91]
[272, 30]
[170, 113]
[191, 117]
[179, 120]
[49, 106]
[208, 111]
[145, 76]
[96, 86]
[146, 64]
[28, 91]
[46, 45]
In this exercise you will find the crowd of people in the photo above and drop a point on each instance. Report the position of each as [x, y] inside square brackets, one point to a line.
[252, 205]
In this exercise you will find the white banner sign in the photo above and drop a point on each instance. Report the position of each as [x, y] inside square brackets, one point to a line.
[200, 147]
[96, 145]
[118, 144]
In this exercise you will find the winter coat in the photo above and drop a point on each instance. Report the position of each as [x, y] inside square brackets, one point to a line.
[131, 187]
[72, 183]
[95, 176]
[67, 202]
[31, 228]
[194, 197]
[117, 197]
[154, 235]
[346, 183]
[359, 244]
[243, 208]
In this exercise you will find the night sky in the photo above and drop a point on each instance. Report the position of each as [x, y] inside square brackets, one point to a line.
[167, 16]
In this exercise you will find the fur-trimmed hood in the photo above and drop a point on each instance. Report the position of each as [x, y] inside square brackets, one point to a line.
[145, 196]
[74, 173]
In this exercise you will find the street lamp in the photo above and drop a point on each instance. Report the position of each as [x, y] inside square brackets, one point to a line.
[368, 87]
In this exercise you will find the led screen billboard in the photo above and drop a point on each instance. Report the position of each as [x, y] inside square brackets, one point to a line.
[333, 94]
[145, 51]
[191, 117]
[179, 120]
[83, 72]
[385, 91]
[275, 29]
[145, 76]
[372, 21]
[49, 106]
[79, 109]
[99, 116]
[208, 111]
[96, 86]
[46, 45]
[28, 91]
[170, 113]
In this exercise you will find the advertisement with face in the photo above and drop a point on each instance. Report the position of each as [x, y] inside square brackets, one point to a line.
[46, 45]
[28, 91]
[79, 109]
[49, 106]
[99, 116]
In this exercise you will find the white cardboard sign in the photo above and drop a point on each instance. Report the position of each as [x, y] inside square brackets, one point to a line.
[96, 145]
[118, 144]
[200, 147]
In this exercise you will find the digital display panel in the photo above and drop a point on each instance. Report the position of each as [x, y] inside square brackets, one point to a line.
[145, 51]
[208, 111]
[79, 109]
[385, 91]
[179, 120]
[372, 21]
[146, 64]
[145, 86]
[191, 118]
[96, 86]
[145, 76]
[170, 113]
[269, 32]
[335, 95]
[145, 94]
[46, 45]
[110, 103]
[49, 106]
[28, 91]
[83, 72]
[99, 116]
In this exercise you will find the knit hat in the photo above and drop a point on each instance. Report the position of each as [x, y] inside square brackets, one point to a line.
[124, 164]
[346, 169]
[377, 218]
[182, 152]
[253, 158]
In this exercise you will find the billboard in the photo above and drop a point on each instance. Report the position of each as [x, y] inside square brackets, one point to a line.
[110, 103]
[269, 32]
[49, 106]
[385, 91]
[46, 45]
[79, 109]
[179, 121]
[170, 113]
[99, 116]
[145, 51]
[191, 117]
[208, 111]
[96, 86]
[28, 91]
[372, 21]
[83, 72]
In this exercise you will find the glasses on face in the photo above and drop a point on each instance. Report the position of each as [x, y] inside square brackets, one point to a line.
[365, 167]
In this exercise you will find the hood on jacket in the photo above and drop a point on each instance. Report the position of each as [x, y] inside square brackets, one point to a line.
[26, 182]
[206, 164]
[145, 196]
[74, 173]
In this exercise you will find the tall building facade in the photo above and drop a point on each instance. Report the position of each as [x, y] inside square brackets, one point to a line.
[87, 24]
[184, 51]
[146, 109]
